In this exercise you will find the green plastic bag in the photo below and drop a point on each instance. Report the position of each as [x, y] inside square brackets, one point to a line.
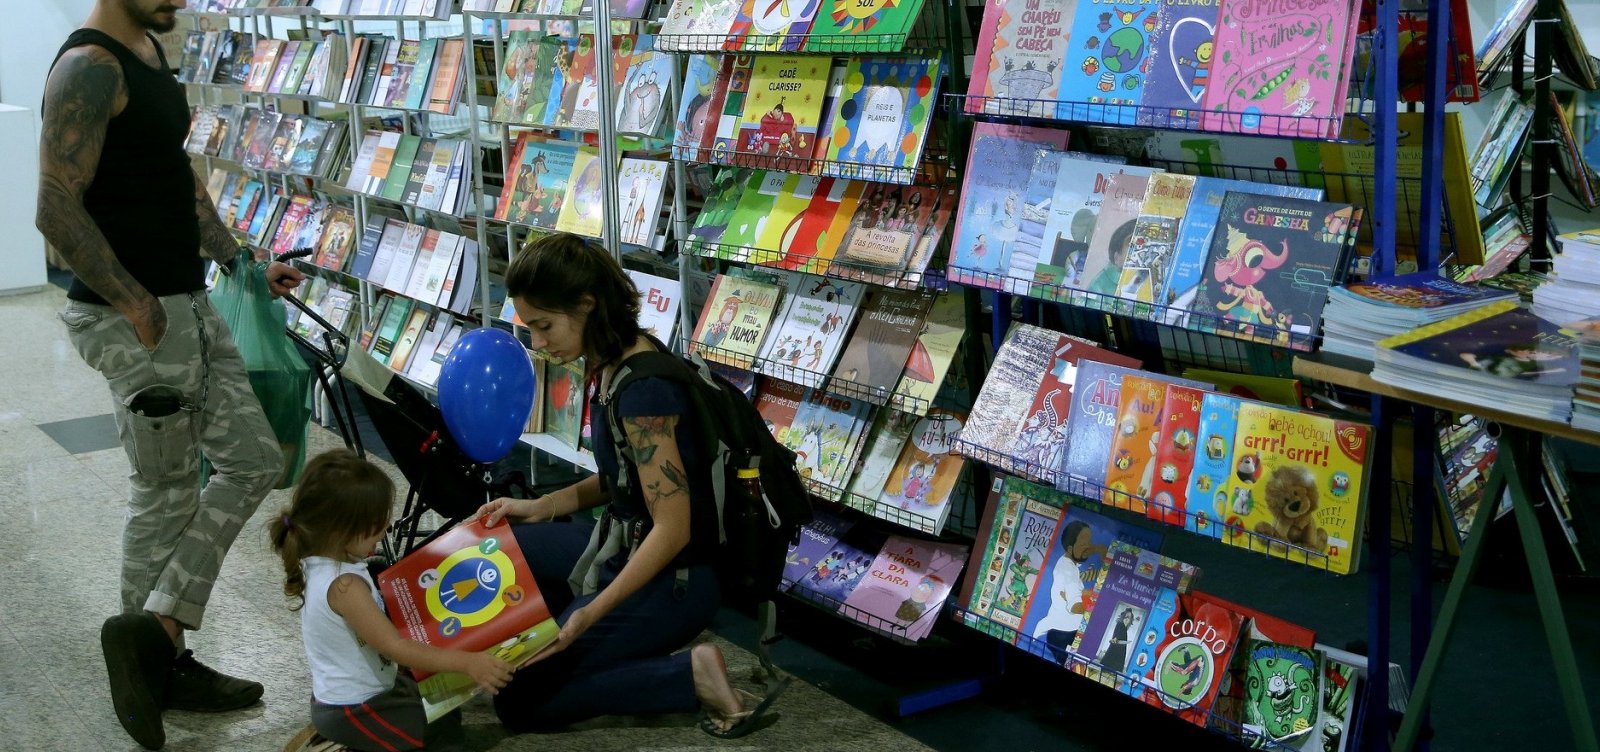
[279, 376]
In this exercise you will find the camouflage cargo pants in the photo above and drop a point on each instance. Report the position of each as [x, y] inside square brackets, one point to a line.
[178, 533]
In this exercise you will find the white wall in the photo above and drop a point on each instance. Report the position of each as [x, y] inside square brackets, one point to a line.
[29, 36]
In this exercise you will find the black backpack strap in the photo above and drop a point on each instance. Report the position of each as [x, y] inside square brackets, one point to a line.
[687, 372]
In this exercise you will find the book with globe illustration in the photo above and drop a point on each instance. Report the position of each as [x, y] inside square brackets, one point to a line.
[1105, 83]
[469, 589]
[1020, 50]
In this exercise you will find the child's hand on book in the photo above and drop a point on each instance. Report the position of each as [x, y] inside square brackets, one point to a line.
[487, 670]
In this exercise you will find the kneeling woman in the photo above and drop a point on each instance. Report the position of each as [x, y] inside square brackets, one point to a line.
[641, 586]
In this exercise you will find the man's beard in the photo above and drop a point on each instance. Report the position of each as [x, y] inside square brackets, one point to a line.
[153, 19]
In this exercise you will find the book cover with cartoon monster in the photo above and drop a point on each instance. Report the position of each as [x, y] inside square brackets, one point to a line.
[1282, 684]
[1299, 479]
[1271, 262]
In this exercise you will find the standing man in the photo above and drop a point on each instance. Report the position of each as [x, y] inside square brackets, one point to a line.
[120, 201]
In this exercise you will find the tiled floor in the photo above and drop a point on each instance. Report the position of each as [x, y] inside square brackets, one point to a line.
[62, 494]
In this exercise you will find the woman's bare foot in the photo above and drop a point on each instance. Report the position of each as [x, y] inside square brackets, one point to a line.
[723, 705]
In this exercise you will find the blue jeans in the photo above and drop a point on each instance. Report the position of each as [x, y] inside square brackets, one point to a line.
[624, 664]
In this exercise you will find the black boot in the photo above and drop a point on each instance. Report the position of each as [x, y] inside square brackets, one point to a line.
[138, 656]
[191, 685]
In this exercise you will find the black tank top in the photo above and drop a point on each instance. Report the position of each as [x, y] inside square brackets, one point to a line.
[143, 194]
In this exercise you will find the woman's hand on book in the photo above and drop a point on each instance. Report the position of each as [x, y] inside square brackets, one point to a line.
[577, 623]
[515, 510]
[487, 670]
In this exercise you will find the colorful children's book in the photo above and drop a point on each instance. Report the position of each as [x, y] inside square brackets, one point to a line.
[881, 119]
[933, 354]
[583, 204]
[1155, 237]
[1017, 551]
[1279, 74]
[1092, 426]
[816, 539]
[875, 357]
[1105, 70]
[906, 585]
[777, 402]
[885, 227]
[469, 589]
[1042, 444]
[641, 184]
[735, 320]
[1180, 65]
[807, 338]
[1194, 236]
[1022, 52]
[1271, 262]
[1064, 598]
[1108, 244]
[1131, 462]
[779, 122]
[1298, 479]
[698, 108]
[824, 436]
[1193, 657]
[1125, 597]
[766, 26]
[1282, 692]
[1175, 455]
[842, 568]
[564, 403]
[641, 101]
[1074, 207]
[1018, 268]
[991, 199]
[747, 222]
[857, 26]
[542, 178]
[1206, 495]
[925, 475]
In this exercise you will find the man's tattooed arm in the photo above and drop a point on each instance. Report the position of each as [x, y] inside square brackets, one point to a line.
[216, 243]
[83, 93]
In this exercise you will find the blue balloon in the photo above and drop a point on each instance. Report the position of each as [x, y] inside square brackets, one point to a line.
[486, 390]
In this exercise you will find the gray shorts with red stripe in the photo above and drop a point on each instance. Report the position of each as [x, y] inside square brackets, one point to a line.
[390, 722]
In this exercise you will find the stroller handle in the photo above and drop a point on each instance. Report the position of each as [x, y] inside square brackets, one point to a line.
[338, 343]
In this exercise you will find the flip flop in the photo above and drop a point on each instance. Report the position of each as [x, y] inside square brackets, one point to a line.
[749, 719]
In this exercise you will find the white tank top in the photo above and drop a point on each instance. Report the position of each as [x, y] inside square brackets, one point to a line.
[344, 670]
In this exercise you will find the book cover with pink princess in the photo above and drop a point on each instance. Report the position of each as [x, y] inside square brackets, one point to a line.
[906, 585]
[1276, 72]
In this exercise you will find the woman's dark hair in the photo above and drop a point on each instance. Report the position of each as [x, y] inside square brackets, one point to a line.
[340, 497]
[554, 272]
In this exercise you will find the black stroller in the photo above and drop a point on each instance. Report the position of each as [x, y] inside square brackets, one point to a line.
[440, 477]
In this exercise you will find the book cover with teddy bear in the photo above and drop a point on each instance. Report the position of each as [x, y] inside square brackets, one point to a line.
[1299, 479]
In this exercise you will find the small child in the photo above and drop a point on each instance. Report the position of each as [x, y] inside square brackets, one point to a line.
[359, 698]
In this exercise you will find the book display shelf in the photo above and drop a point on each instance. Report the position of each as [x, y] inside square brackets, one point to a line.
[756, 165]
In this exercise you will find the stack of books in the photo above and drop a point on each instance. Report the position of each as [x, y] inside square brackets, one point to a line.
[1573, 292]
[1359, 315]
[1586, 395]
[1499, 355]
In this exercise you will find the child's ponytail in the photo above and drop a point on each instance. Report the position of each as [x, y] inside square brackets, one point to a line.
[340, 498]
